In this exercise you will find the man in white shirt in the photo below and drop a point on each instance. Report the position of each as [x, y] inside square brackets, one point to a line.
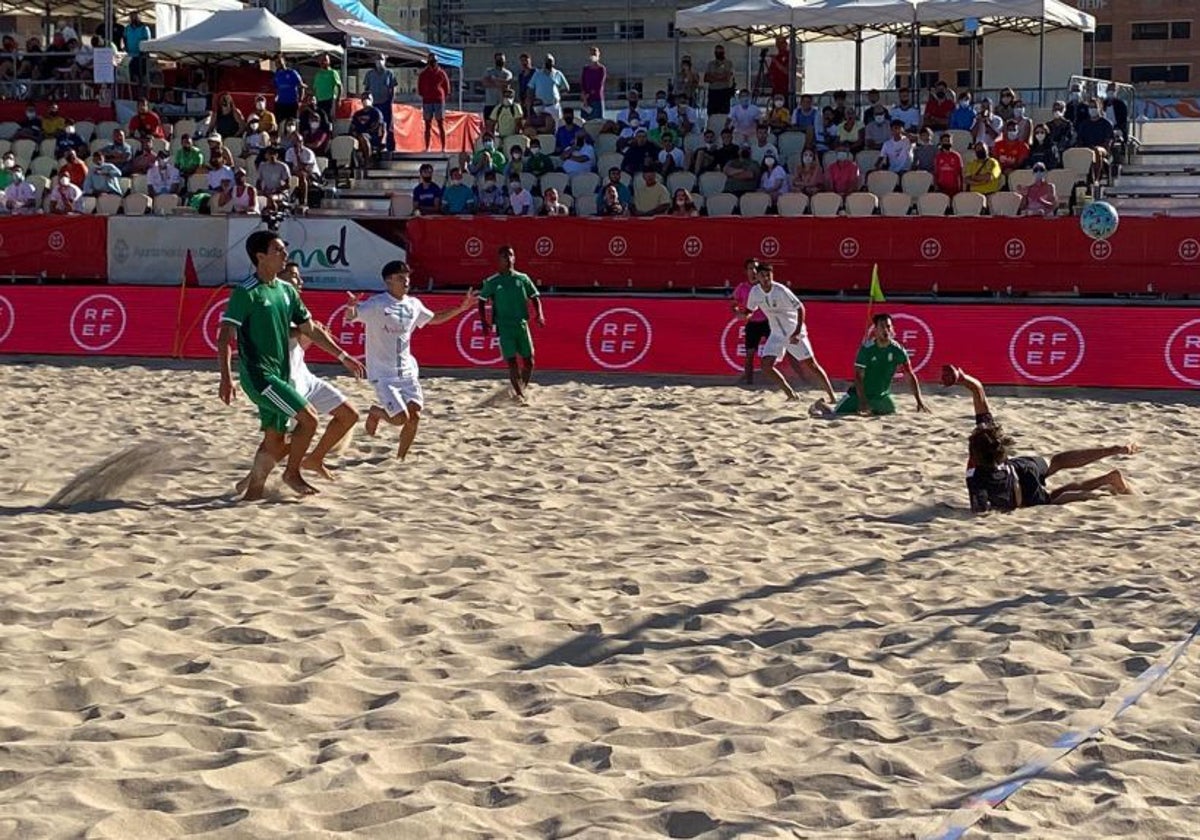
[217, 177]
[762, 146]
[580, 158]
[906, 111]
[896, 153]
[789, 333]
[65, 197]
[520, 202]
[20, 196]
[302, 161]
[163, 178]
[671, 158]
[682, 117]
[744, 118]
[390, 319]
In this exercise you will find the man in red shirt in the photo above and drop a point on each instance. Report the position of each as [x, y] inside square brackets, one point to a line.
[938, 107]
[843, 175]
[434, 87]
[1010, 149]
[947, 168]
[145, 123]
[74, 168]
[780, 69]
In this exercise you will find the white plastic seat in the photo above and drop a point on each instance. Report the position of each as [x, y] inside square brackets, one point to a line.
[895, 204]
[164, 204]
[861, 204]
[607, 161]
[108, 204]
[1078, 161]
[681, 181]
[401, 204]
[606, 144]
[585, 183]
[968, 204]
[721, 204]
[792, 204]
[753, 204]
[916, 182]
[1004, 203]
[136, 204]
[712, 183]
[825, 204]
[881, 182]
[1019, 179]
[960, 140]
[933, 204]
[585, 204]
[555, 181]
[791, 144]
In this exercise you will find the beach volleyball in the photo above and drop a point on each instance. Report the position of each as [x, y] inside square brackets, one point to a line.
[1099, 220]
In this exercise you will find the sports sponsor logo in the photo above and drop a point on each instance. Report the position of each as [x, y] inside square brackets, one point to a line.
[931, 248]
[617, 246]
[733, 343]
[769, 247]
[473, 247]
[473, 345]
[212, 324]
[56, 241]
[350, 336]
[97, 322]
[1014, 249]
[1101, 250]
[544, 246]
[1046, 348]
[1189, 250]
[8, 318]
[618, 338]
[693, 246]
[915, 336]
[1182, 352]
[848, 248]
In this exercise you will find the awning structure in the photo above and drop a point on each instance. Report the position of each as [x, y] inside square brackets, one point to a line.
[351, 25]
[235, 35]
[100, 8]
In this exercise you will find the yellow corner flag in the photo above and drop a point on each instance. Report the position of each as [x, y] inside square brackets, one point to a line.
[876, 294]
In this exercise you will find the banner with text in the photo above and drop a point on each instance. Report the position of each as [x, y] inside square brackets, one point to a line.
[1016, 345]
[153, 249]
[916, 255]
[333, 253]
[53, 246]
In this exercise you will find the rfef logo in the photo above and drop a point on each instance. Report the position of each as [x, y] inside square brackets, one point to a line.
[56, 241]
[473, 247]
[212, 324]
[769, 247]
[618, 338]
[617, 246]
[1182, 352]
[473, 345]
[97, 323]
[544, 246]
[350, 336]
[1047, 348]
[733, 343]
[931, 248]
[1189, 250]
[848, 248]
[915, 336]
[1014, 249]
[1101, 250]
[8, 318]
[693, 246]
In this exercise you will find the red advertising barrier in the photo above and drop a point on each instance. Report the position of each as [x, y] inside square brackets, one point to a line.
[1158, 347]
[915, 254]
[54, 246]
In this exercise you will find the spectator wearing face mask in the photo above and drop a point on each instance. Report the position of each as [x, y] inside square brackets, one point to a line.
[1042, 150]
[163, 178]
[549, 85]
[1010, 150]
[982, 173]
[266, 119]
[591, 84]
[774, 178]
[843, 176]
[873, 105]
[808, 177]
[1062, 130]
[490, 197]
[1116, 111]
[580, 157]
[683, 205]
[496, 79]
[487, 158]
[877, 130]
[962, 118]
[925, 151]
[1039, 198]
[779, 118]
[682, 117]
[947, 168]
[516, 162]
[507, 117]
[1075, 110]
[380, 83]
[1008, 101]
[427, 194]
[65, 197]
[520, 202]
[1024, 124]
[537, 162]
[20, 196]
[988, 126]
[564, 137]
[29, 128]
[718, 75]
[744, 118]
[458, 199]
[896, 154]
[317, 135]
[938, 107]
[68, 140]
[1097, 134]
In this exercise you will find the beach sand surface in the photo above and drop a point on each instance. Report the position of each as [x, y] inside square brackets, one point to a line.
[634, 608]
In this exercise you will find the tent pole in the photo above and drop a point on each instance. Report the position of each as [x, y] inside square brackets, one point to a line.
[345, 66]
[858, 41]
[915, 54]
[793, 62]
[1093, 71]
[749, 65]
[1042, 61]
[108, 23]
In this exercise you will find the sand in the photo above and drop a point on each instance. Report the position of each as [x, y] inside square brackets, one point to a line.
[635, 608]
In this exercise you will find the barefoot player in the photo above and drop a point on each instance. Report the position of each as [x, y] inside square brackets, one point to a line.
[390, 319]
[510, 292]
[789, 332]
[261, 312]
[875, 369]
[998, 481]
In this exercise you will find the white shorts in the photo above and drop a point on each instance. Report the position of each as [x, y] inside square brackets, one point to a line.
[776, 345]
[323, 397]
[396, 392]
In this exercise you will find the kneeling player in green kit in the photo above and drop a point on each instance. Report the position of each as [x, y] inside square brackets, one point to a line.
[874, 369]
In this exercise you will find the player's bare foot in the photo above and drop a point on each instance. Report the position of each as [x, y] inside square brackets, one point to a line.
[1130, 449]
[1118, 484]
[820, 408]
[313, 465]
[241, 486]
[792, 396]
[374, 415]
[298, 484]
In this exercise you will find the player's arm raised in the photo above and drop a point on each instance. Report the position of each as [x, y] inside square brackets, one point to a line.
[322, 339]
[469, 300]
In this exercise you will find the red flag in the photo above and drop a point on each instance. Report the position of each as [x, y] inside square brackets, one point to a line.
[190, 277]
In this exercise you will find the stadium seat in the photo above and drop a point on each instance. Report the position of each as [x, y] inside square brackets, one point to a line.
[1019, 179]
[585, 204]
[89, 205]
[138, 184]
[968, 204]
[126, 184]
[753, 204]
[97, 144]
[828, 159]
[1003, 203]
[528, 180]
[164, 204]
[881, 182]
[960, 140]
[46, 147]
[592, 127]
[1064, 181]
[792, 204]
[547, 141]
[585, 183]
[692, 142]
[85, 129]
[45, 166]
[401, 204]
[681, 181]
[712, 183]
[341, 150]
[216, 209]
[341, 126]
[933, 204]
[791, 144]
[8, 129]
[519, 140]
[187, 125]
[136, 204]
[895, 204]
[861, 204]
[108, 204]
[916, 182]
[721, 204]
[566, 200]
[197, 183]
[24, 150]
[105, 130]
[1078, 161]
[554, 181]
[825, 204]
[606, 144]
[866, 160]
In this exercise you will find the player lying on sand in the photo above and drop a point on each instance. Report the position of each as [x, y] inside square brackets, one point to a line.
[321, 394]
[998, 481]
[261, 313]
[390, 319]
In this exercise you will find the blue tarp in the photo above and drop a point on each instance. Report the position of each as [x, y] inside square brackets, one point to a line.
[352, 25]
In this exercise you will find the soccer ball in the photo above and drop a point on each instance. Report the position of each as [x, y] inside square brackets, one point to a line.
[1099, 220]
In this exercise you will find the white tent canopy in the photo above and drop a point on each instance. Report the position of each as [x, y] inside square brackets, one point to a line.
[736, 19]
[236, 34]
[151, 10]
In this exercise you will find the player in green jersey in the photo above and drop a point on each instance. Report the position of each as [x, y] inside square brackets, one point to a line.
[874, 369]
[510, 292]
[260, 313]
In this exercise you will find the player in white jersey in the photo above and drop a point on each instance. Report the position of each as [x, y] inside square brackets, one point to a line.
[789, 333]
[321, 394]
[390, 319]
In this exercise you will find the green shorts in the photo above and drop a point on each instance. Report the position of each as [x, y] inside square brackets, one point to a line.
[879, 405]
[515, 340]
[277, 402]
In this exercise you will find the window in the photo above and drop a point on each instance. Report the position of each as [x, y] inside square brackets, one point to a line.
[1099, 72]
[670, 29]
[1157, 31]
[1172, 73]
[965, 40]
[537, 33]
[629, 30]
[1102, 35]
[1181, 30]
[930, 41]
[926, 80]
[962, 79]
[578, 33]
